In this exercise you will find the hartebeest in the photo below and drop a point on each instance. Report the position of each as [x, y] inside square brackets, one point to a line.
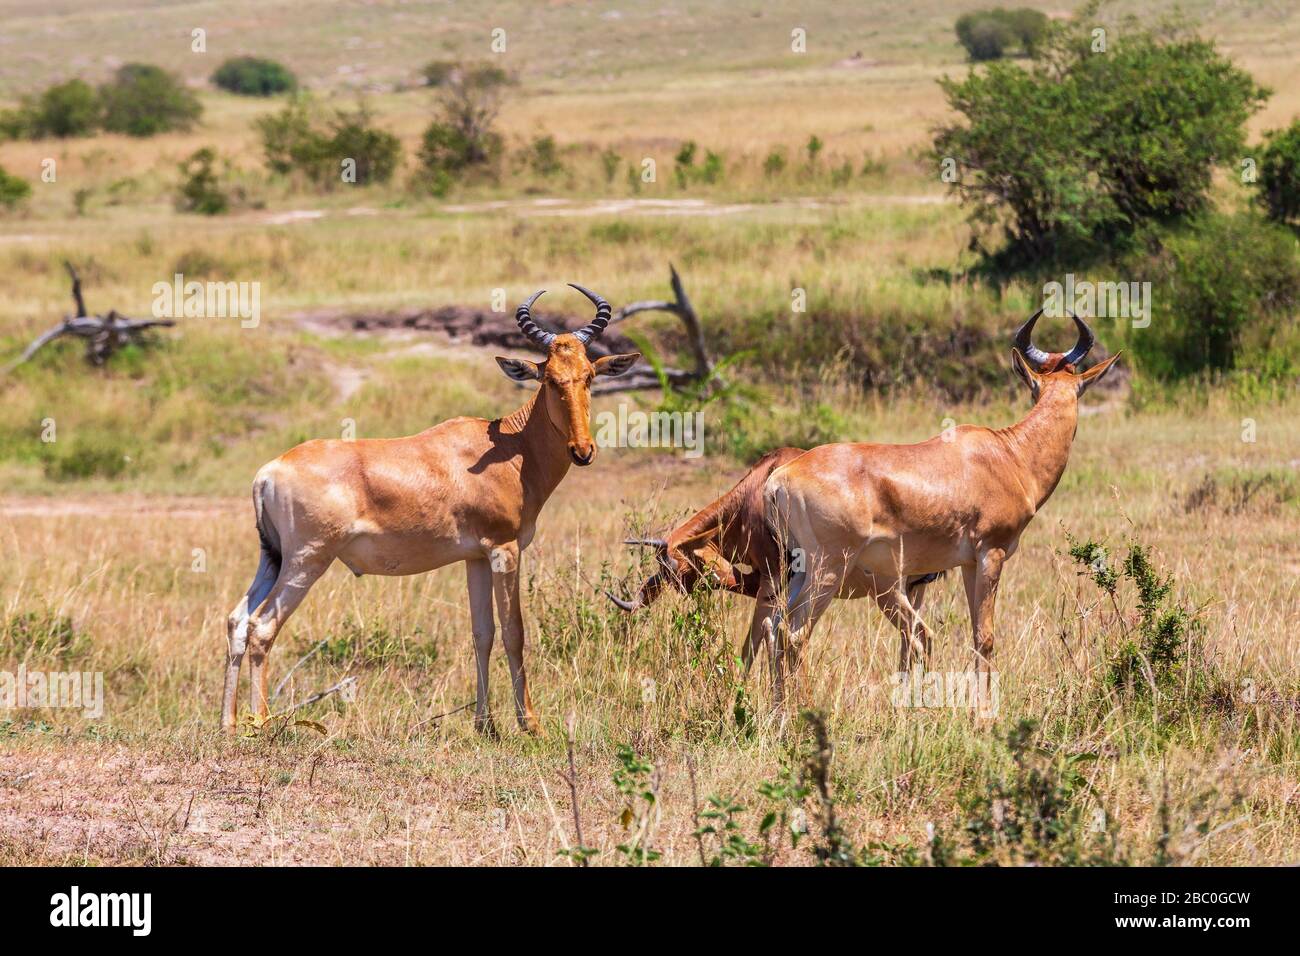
[728, 544]
[961, 499]
[465, 490]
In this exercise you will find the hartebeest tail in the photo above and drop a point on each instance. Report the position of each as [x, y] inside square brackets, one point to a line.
[467, 490]
[962, 499]
[729, 544]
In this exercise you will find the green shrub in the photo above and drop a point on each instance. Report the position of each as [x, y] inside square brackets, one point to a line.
[143, 100]
[254, 76]
[64, 110]
[295, 139]
[200, 191]
[543, 156]
[988, 34]
[13, 189]
[376, 152]
[1223, 288]
[1076, 152]
[437, 72]
[461, 137]
[1279, 174]
[983, 36]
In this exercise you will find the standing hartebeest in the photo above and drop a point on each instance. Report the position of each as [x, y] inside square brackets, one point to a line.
[960, 499]
[466, 490]
[729, 544]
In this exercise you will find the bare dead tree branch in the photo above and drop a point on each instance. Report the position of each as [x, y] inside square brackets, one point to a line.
[104, 334]
[645, 377]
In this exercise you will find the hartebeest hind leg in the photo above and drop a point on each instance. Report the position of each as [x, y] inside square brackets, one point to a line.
[478, 574]
[296, 578]
[810, 594]
[237, 635]
[505, 583]
[981, 580]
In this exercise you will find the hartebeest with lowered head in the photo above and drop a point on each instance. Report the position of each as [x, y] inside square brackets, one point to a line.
[466, 490]
[728, 544]
[961, 499]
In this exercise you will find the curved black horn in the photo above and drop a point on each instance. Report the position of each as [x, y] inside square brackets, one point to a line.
[1024, 342]
[597, 325]
[536, 334]
[625, 605]
[647, 542]
[1081, 348]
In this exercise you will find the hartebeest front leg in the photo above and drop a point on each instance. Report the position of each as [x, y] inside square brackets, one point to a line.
[505, 582]
[981, 580]
[478, 575]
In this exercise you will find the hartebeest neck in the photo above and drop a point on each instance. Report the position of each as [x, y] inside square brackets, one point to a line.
[1042, 439]
[541, 447]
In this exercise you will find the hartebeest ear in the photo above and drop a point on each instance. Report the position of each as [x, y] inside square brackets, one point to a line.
[615, 364]
[1086, 380]
[522, 370]
[1026, 373]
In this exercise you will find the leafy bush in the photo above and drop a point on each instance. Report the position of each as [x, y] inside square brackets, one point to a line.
[987, 34]
[200, 191]
[1223, 289]
[1279, 174]
[1077, 151]
[985, 37]
[64, 110]
[543, 156]
[461, 136]
[143, 100]
[254, 76]
[13, 189]
[296, 139]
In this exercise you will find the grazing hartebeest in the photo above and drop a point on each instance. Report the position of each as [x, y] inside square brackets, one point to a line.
[960, 499]
[466, 490]
[729, 544]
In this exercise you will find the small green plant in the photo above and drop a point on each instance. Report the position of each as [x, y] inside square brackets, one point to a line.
[200, 190]
[254, 76]
[774, 163]
[814, 148]
[731, 846]
[13, 189]
[635, 780]
[610, 160]
[543, 157]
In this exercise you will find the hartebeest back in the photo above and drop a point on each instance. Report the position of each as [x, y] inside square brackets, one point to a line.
[960, 499]
[466, 490]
